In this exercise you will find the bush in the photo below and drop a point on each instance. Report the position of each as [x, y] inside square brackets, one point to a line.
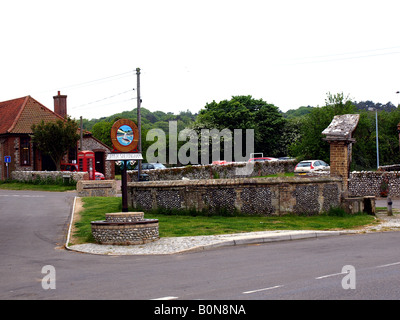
[58, 181]
[340, 212]
[336, 212]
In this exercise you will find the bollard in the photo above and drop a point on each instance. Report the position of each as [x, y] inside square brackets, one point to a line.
[389, 206]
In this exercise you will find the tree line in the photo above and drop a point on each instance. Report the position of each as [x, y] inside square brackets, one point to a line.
[295, 133]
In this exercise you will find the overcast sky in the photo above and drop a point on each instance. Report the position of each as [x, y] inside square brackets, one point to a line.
[289, 53]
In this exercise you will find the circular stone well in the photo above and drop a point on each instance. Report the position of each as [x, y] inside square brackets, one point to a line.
[125, 228]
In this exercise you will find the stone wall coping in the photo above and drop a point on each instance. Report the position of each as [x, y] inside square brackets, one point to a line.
[22, 175]
[98, 181]
[213, 166]
[210, 171]
[375, 172]
[108, 223]
[124, 214]
[227, 182]
[342, 126]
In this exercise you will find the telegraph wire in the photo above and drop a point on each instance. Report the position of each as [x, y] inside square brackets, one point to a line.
[100, 100]
[348, 53]
[88, 83]
[346, 56]
[94, 82]
[107, 104]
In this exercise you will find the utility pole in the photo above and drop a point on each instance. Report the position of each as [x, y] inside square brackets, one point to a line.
[377, 141]
[139, 122]
[81, 139]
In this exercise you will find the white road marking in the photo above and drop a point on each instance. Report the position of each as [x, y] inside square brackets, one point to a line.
[166, 298]
[280, 286]
[263, 289]
[388, 265]
[336, 274]
[330, 275]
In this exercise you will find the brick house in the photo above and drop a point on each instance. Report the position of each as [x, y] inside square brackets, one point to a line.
[16, 118]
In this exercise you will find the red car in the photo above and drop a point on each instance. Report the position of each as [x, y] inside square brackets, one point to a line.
[73, 167]
[220, 162]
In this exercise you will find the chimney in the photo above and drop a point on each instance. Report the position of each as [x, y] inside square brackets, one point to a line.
[60, 104]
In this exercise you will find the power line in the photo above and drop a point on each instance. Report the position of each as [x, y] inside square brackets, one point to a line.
[121, 75]
[107, 104]
[95, 81]
[349, 53]
[106, 98]
[349, 56]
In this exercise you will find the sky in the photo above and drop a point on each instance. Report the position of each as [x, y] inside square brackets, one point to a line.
[289, 53]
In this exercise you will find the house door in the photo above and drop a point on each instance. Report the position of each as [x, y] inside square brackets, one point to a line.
[99, 161]
[48, 163]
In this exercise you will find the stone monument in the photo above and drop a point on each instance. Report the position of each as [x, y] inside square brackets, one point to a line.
[339, 134]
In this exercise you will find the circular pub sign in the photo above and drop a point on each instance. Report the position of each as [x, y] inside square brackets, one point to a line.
[124, 135]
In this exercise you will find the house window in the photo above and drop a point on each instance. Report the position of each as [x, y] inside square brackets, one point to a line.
[25, 151]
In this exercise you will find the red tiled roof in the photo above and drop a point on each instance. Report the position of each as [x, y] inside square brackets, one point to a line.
[18, 115]
[9, 111]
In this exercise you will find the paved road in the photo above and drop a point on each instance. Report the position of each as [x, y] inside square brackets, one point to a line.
[33, 225]
[382, 202]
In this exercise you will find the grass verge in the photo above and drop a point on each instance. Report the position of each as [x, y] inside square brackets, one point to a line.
[278, 175]
[37, 185]
[189, 225]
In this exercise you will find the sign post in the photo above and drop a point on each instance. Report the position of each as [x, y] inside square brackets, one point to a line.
[7, 160]
[125, 138]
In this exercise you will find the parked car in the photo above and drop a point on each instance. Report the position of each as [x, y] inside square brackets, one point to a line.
[220, 162]
[286, 158]
[73, 167]
[151, 166]
[306, 166]
[69, 167]
[263, 159]
[99, 176]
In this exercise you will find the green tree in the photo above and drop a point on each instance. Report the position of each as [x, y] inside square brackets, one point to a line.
[388, 136]
[294, 113]
[311, 144]
[291, 134]
[364, 150]
[55, 138]
[245, 112]
[102, 131]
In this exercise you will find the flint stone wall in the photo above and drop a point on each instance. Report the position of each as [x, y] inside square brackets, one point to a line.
[225, 171]
[125, 228]
[125, 234]
[368, 183]
[44, 175]
[252, 196]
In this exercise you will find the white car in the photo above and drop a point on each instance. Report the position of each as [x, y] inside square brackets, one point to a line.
[306, 166]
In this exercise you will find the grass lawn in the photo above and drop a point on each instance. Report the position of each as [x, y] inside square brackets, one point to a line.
[278, 175]
[186, 225]
[14, 185]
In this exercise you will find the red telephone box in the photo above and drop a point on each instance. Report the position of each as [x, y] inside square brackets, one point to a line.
[86, 163]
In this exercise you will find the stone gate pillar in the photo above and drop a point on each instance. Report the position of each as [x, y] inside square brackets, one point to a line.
[339, 136]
